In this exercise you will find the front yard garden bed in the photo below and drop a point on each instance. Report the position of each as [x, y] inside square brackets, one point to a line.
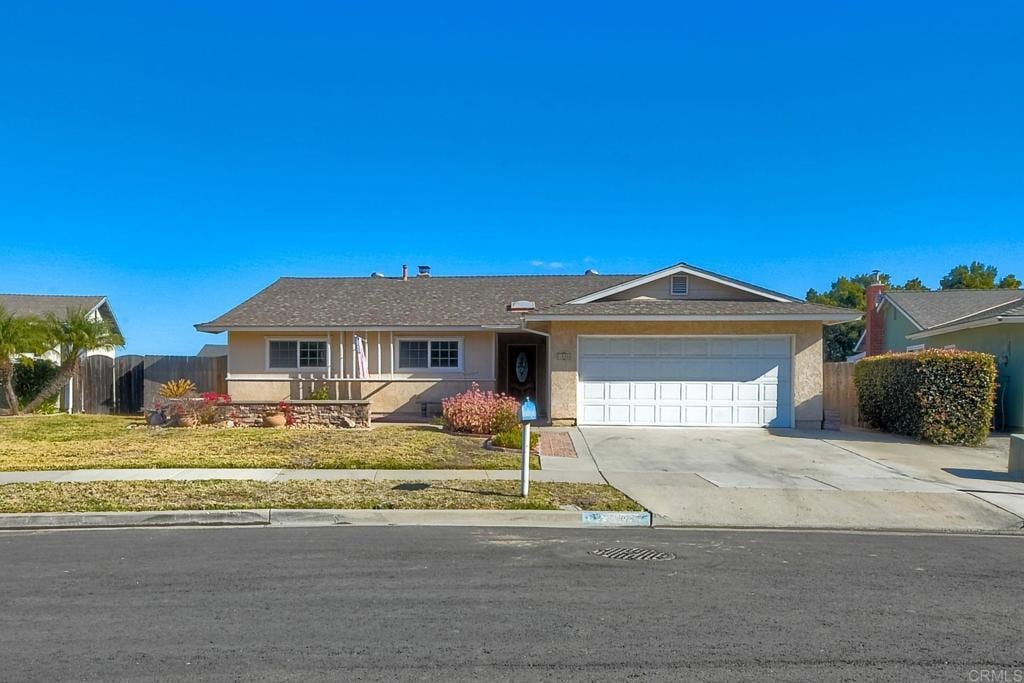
[62, 442]
[126, 496]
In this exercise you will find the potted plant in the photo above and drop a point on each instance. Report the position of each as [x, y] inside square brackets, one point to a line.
[280, 417]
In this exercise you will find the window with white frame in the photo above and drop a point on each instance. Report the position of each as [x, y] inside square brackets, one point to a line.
[429, 354]
[680, 285]
[293, 354]
[915, 347]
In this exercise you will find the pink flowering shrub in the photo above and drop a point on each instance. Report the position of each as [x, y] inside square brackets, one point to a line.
[480, 412]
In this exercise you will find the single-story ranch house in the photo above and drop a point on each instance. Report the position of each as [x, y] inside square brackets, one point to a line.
[680, 346]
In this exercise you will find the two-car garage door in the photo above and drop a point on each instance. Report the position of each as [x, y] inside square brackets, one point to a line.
[686, 381]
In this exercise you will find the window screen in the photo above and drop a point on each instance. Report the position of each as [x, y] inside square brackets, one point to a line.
[412, 354]
[282, 354]
[313, 354]
[444, 354]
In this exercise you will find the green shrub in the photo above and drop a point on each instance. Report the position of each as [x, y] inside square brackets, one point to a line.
[29, 379]
[944, 396]
[513, 438]
[321, 394]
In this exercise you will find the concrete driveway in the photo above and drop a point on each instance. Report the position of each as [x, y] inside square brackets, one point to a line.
[789, 478]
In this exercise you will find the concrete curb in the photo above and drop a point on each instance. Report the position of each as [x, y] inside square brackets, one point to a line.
[86, 520]
[565, 519]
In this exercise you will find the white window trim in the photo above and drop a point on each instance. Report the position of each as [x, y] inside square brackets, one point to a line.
[913, 348]
[429, 369]
[309, 368]
[672, 285]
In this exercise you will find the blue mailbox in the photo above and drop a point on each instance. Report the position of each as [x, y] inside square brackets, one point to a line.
[528, 411]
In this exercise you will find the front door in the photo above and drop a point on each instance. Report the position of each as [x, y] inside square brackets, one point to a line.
[521, 371]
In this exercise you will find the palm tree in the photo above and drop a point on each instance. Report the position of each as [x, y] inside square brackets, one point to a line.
[75, 334]
[19, 334]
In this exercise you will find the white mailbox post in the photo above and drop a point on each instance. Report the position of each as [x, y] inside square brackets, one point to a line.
[527, 414]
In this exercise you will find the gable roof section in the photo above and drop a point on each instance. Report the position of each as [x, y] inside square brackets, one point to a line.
[393, 302]
[41, 305]
[45, 304]
[686, 269]
[928, 310]
[1012, 312]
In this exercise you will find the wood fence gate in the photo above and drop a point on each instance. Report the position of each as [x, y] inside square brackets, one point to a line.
[127, 384]
[840, 395]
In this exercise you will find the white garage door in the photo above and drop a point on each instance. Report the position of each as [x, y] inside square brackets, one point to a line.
[695, 381]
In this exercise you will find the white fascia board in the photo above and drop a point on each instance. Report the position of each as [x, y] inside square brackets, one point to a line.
[986, 322]
[829, 318]
[884, 298]
[103, 302]
[673, 270]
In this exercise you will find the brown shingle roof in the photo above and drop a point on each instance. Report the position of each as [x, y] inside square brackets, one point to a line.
[461, 301]
[416, 302]
[44, 304]
[931, 309]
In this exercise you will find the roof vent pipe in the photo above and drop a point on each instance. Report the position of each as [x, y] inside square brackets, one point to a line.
[424, 271]
[405, 272]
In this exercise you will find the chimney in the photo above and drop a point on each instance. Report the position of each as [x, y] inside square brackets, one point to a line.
[874, 329]
[405, 272]
[424, 271]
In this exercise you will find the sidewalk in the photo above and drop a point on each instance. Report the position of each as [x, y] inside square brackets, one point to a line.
[571, 476]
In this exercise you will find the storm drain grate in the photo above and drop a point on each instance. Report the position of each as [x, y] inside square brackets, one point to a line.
[632, 554]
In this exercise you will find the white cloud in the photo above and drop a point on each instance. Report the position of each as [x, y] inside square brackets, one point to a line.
[552, 265]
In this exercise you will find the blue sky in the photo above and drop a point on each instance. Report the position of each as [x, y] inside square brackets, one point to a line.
[180, 156]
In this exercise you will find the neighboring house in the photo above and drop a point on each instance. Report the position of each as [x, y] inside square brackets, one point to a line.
[680, 346]
[213, 351]
[988, 320]
[41, 305]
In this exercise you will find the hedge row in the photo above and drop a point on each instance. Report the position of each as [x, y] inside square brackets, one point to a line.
[944, 396]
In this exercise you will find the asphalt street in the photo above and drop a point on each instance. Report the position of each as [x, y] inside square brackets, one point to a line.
[401, 603]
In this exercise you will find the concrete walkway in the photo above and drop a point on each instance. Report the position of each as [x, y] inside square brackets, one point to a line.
[581, 476]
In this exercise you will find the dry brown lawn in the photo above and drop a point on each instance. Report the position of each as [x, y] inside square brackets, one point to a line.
[344, 494]
[61, 442]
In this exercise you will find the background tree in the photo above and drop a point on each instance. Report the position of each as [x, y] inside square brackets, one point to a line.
[851, 292]
[18, 335]
[977, 275]
[74, 334]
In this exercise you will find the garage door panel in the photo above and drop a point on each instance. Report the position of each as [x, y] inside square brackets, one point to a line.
[720, 381]
[645, 414]
[722, 392]
[645, 391]
[748, 416]
[670, 391]
[670, 415]
[721, 415]
[594, 414]
[696, 391]
[618, 391]
[696, 415]
[748, 391]
[619, 414]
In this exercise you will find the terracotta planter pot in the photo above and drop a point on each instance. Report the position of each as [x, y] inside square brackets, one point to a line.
[275, 420]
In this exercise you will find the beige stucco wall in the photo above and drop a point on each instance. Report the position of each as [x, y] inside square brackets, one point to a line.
[390, 391]
[807, 368]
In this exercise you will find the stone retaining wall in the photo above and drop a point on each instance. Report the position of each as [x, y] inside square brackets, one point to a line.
[341, 414]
